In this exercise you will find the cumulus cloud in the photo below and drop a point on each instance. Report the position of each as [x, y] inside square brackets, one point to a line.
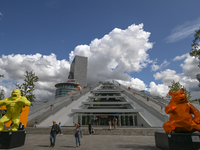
[190, 84]
[134, 83]
[155, 67]
[137, 84]
[49, 70]
[111, 57]
[158, 90]
[190, 67]
[181, 57]
[167, 76]
[183, 31]
[187, 78]
[118, 52]
[114, 56]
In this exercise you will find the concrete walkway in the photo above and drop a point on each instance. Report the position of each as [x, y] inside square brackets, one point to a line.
[150, 106]
[149, 103]
[65, 115]
[100, 130]
[94, 142]
[150, 118]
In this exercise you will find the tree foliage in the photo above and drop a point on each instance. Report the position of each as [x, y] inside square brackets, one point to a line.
[196, 100]
[195, 51]
[176, 86]
[27, 87]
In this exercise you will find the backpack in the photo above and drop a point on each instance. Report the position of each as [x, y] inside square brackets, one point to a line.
[115, 120]
[76, 134]
[57, 129]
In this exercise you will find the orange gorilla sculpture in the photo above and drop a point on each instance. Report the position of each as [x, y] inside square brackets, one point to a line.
[180, 111]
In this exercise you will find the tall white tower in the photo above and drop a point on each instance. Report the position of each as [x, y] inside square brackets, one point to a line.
[78, 70]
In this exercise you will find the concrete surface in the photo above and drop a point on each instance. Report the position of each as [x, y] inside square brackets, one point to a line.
[93, 142]
[102, 130]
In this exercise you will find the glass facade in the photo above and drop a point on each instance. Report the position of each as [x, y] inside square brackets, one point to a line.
[103, 105]
[64, 89]
[103, 119]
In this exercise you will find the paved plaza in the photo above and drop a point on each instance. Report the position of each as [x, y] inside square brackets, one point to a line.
[93, 142]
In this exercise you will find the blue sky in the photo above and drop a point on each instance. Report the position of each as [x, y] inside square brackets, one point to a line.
[58, 26]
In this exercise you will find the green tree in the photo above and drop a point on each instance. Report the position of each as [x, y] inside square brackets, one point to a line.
[176, 86]
[195, 51]
[27, 87]
[196, 100]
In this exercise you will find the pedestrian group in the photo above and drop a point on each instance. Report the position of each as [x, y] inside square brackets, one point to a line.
[56, 130]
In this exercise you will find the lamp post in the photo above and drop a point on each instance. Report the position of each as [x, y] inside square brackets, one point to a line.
[198, 78]
[2, 91]
[2, 94]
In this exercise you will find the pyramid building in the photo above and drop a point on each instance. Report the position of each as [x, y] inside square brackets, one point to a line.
[102, 102]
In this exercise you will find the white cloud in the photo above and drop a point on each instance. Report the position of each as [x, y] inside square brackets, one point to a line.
[190, 67]
[187, 78]
[134, 83]
[117, 52]
[167, 76]
[155, 67]
[181, 57]
[110, 57]
[49, 70]
[158, 90]
[183, 31]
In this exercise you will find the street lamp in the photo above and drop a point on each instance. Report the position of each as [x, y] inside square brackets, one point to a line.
[2, 91]
[198, 78]
[2, 94]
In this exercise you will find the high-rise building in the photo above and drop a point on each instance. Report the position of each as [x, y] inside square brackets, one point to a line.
[78, 70]
[77, 74]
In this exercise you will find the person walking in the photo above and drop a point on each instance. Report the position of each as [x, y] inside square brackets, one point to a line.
[92, 131]
[60, 128]
[53, 133]
[110, 124]
[35, 123]
[147, 98]
[80, 90]
[78, 135]
[21, 126]
[115, 122]
[89, 128]
[95, 121]
[51, 106]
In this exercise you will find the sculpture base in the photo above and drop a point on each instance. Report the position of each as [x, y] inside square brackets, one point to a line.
[177, 141]
[9, 139]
